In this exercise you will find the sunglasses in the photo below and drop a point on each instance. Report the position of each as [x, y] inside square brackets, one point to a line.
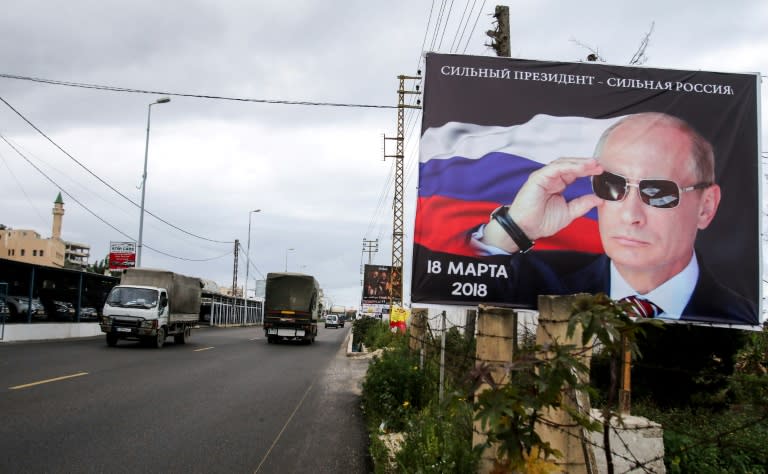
[661, 193]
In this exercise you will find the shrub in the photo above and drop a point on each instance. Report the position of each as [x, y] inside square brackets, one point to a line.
[360, 328]
[439, 439]
[393, 387]
[709, 442]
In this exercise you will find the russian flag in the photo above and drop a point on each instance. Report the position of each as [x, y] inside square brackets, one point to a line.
[467, 170]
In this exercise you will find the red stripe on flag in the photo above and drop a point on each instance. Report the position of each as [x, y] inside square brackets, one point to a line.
[444, 225]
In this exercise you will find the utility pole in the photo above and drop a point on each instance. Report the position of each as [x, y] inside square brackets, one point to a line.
[397, 205]
[234, 273]
[370, 247]
[500, 35]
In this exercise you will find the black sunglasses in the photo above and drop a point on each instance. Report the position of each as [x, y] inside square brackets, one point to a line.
[661, 193]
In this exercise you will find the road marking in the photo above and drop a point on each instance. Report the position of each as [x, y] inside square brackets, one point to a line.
[203, 349]
[27, 385]
[254, 339]
[277, 438]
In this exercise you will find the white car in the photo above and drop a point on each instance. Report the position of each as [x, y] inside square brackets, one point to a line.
[332, 321]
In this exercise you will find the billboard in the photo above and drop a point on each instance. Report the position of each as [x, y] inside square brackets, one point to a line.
[377, 285]
[122, 255]
[541, 177]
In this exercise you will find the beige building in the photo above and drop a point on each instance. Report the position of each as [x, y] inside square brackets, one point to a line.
[24, 245]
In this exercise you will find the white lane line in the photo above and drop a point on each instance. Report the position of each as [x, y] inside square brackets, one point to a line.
[277, 438]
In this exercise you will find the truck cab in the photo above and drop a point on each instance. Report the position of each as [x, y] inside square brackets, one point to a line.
[135, 312]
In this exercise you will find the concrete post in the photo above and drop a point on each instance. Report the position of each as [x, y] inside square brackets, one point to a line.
[417, 329]
[561, 431]
[494, 348]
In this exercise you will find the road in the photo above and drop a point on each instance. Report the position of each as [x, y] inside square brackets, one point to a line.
[224, 402]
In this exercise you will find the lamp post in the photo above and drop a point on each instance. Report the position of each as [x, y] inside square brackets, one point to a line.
[248, 253]
[286, 258]
[161, 100]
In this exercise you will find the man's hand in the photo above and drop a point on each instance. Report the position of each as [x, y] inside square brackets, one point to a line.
[539, 208]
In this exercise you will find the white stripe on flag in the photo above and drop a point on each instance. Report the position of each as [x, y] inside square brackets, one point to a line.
[544, 138]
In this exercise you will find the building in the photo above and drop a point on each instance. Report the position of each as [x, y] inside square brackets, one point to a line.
[28, 246]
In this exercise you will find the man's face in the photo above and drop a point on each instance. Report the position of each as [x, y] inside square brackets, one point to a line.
[644, 242]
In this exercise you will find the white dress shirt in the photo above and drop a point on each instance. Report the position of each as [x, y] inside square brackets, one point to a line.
[672, 296]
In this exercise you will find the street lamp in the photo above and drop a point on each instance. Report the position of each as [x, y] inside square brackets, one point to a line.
[248, 253]
[161, 100]
[286, 258]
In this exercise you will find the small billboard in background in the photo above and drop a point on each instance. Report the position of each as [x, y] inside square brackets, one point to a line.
[491, 125]
[260, 289]
[122, 255]
[377, 284]
[398, 319]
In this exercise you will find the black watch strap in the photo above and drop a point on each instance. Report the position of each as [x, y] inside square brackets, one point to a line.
[501, 215]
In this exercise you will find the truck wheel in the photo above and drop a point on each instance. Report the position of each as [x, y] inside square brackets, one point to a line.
[111, 340]
[160, 339]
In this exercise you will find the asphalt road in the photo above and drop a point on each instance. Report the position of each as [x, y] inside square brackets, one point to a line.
[224, 402]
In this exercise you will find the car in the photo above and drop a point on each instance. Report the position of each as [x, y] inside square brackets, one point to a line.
[3, 310]
[332, 321]
[89, 313]
[61, 311]
[18, 307]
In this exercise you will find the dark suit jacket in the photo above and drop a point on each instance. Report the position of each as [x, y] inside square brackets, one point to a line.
[565, 272]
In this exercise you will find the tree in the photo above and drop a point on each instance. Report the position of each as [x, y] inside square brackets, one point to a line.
[100, 267]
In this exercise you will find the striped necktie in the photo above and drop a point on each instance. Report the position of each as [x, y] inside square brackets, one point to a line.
[641, 307]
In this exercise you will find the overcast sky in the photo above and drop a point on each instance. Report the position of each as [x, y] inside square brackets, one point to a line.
[316, 172]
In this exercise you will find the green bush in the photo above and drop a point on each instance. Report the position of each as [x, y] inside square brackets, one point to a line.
[438, 439]
[710, 442]
[379, 336]
[393, 388]
[372, 332]
[360, 329]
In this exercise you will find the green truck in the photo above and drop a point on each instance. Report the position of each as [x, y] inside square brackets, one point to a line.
[291, 307]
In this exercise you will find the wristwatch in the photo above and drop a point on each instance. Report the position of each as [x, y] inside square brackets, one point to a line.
[501, 215]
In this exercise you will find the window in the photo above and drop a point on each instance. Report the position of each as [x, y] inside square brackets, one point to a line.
[41, 253]
[22, 252]
[34, 253]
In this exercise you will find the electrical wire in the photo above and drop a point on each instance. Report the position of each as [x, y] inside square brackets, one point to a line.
[21, 187]
[196, 96]
[87, 209]
[464, 30]
[248, 258]
[447, 18]
[437, 25]
[461, 21]
[106, 183]
[473, 27]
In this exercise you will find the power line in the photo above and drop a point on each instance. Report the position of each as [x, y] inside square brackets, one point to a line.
[464, 30]
[437, 25]
[461, 20]
[87, 209]
[447, 18]
[196, 96]
[473, 27]
[104, 182]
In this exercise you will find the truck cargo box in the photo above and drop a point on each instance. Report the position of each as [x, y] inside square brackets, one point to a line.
[184, 292]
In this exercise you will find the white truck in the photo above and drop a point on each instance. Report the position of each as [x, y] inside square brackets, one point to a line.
[149, 305]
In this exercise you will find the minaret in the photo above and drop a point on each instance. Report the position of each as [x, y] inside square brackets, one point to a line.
[58, 211]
